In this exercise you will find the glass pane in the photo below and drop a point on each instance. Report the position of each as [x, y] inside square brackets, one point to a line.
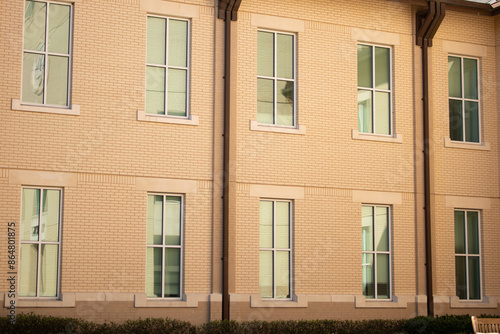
[153, 272]
[177, 43]
[461, 280]
[50, 215]
[284, 57]
[28, 270]
[154, 220]
[382, 68]
[48, 270]
[155, 90]
[59, 28]
[368, 276]
[156, 41]
[283, 224]
[474, 278]
[470, 78]
[454, 77]
[266, 224]
[382, 113]
[177, 92]
[30, 214]
[364, 111]
[265, 53]
[383, 276]
[172, 220]
[172, 272]
[459, 232]
[265, 101]
[472, 232]
[456, 126]
[34, 26]
[33, 78]
[365, 66]
[471, 122]
[382, 228]
[282, 274]
[367, 228]
[266, 274]
[285, 103]
[57, 80]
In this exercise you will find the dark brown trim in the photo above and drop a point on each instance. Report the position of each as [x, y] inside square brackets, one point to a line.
[457, 5]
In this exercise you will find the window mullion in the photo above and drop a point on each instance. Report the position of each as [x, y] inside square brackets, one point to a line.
[39, 244]
[275, 79]
[462, 82]
[466, 251]
[274, 249]
[374, 212]
[165, 84]
[46, 53]
[373, 91]
[163, 247]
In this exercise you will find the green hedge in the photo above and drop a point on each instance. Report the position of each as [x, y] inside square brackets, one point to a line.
[37, 324]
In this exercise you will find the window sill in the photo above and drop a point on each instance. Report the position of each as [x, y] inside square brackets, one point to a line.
[67, 300]
[188, 300]
[487, 302]
[74, 110]
[374, 137]
[142, 116]
[296, 301]
[484, 146]
[362, 302]
[300, 130]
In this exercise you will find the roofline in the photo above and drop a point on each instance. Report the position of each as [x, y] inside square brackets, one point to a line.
[459, 5]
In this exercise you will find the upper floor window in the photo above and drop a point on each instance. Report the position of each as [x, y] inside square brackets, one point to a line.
[463, 88]
[167, 68]
[374, 89]
[47, 53]
[276, 78]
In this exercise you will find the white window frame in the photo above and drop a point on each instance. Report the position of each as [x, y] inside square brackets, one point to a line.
[166, 67]
[39, 243]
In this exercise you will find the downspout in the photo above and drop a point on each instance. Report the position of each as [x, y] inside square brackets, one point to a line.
[428, 23]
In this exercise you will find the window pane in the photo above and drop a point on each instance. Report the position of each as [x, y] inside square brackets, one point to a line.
[383, 276]
[266, 224]
[30, 214]
[266, 274]
[59, 28]
[33, 78]
[282, 224]
[172, 272]
[177, 92]
[382, 68]
[153, 272]
[154, 220]
[172, 220]
[285, 56]
[382, 113]
[156, 41]
[28, 270]
[364, 111]
[177, 43]
[365, 66]
[368, 276]
[265, 53]
[155, 90]
[48, 270]
[454, 77]
[265, 101]
[285, 103]
[474, 278]
[470, 78]
[472, 232]
[34, 26]
[50, 215]
[57, 80]
[456, 126]
[459, 232]
[367, 227]
[382, 228]
[471, 122]
[461, 280]
[282, 274]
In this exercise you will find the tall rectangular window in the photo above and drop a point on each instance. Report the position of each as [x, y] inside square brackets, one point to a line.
[276, 78]
[164, 246]
[167, 68]
[40, 251]
[467, 254]
[376, 252]
[463, 89]
[275, 249]
[374, 89]
[47, 53]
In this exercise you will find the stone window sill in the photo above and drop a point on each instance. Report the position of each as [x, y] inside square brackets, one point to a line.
[300, 130]
[67, 300]
[487, 302]
[74, 110]
[191, 120]
[484, 146]
[362, 302]
[374, 137]
[296, 301]
[188, 300]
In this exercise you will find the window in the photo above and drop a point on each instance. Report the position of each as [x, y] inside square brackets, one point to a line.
[467, 254]
[167, 67]
[463, 99]
[276, 78]
[40, 253]
[376, 252]
[374, 89]
[164, 246]
[47, 54]
[275, 249]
